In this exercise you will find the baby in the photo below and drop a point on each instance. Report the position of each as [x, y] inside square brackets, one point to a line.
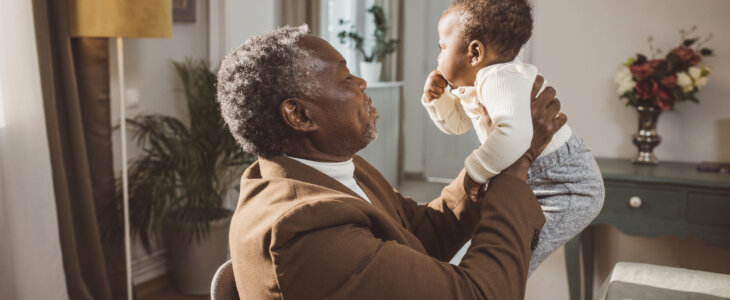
[477, 69]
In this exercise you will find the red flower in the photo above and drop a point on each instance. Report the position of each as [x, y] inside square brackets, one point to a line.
[664, 100]
[669, 81]
[647, 89]
[641, 70]
[656, 63]
[686, 55]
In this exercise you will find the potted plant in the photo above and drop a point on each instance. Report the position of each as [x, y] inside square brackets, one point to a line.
[653, 85]
[371, 66]
[180, 179]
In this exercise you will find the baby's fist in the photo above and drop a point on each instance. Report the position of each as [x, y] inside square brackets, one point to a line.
[435, 86]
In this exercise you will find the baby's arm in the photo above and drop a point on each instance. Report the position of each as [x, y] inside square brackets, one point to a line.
[506, 96]
[444, 108]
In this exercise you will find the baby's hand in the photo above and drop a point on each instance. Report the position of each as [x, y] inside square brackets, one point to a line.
[435, 86]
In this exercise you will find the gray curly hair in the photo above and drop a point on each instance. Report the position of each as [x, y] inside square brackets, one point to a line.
[255, 79]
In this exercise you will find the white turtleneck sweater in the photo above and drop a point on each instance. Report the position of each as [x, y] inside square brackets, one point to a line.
[504, 90]
[344, 172]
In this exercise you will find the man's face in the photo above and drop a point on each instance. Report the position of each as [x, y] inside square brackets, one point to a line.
[453, 60]
[343, 111]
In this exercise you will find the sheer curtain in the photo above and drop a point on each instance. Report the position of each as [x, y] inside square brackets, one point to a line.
[30, 255]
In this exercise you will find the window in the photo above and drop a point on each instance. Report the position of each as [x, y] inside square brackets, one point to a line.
[355, 12]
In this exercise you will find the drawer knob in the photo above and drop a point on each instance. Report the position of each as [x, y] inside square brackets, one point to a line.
[635, 202]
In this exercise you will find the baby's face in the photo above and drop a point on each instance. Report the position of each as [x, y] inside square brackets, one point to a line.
[453, 60]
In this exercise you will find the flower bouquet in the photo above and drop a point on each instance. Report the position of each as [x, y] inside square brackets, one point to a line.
[655, 85]
[661, 82]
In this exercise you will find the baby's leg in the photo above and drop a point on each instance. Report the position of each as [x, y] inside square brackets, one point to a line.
[569, 187]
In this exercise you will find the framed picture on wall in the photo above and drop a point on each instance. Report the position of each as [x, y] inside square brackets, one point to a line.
[183, 11]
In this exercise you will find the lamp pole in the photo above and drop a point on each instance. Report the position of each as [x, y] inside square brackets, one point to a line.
[125, 176]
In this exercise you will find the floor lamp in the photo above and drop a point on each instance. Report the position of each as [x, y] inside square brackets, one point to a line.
[122, 19]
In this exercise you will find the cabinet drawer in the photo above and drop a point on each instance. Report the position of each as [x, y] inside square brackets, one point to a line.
[709, 208]
[655, 202]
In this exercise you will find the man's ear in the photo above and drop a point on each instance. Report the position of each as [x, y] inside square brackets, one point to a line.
[296, 113]
[477, 53]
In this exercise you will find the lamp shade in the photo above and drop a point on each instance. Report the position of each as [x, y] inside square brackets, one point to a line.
[120, 18]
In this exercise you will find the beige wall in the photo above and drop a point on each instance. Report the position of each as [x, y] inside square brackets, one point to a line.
[416, 67]
[148, 70]
[578, 45]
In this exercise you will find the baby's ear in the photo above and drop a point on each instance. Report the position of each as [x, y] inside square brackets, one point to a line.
[477, 52]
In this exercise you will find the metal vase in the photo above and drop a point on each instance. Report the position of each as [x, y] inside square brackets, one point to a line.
[647, 138]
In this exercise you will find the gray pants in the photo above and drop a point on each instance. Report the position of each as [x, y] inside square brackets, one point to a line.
[569, 187]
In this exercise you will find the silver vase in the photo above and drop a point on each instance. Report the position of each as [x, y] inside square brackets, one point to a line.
[647, 138]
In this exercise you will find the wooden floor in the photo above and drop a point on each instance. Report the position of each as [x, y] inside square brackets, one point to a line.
[161, 289]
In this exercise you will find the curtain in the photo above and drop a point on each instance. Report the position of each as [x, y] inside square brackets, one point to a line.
[75, 85]
[30, 250]
[298, 12]
[393, 63]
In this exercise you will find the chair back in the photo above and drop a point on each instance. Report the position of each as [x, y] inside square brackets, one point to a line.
[223, 286]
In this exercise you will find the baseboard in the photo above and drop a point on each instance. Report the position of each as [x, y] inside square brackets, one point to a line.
[414, 176]
[423, 177]
[149, 267]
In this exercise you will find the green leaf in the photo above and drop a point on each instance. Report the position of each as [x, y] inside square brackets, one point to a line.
[630, 61]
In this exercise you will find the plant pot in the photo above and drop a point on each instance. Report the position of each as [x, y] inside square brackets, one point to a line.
[370, 71]
[647, 138]
[193, 264]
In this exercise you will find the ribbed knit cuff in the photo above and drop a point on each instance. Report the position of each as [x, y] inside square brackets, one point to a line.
[476, 169]
[439, 107]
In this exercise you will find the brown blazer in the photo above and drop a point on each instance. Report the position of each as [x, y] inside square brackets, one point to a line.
[299, 234]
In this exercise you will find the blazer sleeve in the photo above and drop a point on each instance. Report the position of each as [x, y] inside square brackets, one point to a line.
[446, 223]
[328, 252]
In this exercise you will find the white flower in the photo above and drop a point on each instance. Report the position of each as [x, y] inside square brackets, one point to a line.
[684, 80]
[625, 81]
[622, 75]
[625, 86]
[701, 82]
[695, 72]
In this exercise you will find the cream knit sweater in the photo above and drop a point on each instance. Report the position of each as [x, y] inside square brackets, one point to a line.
[504, 90]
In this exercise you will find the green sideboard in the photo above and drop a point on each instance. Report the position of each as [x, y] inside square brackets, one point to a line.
[670, 199]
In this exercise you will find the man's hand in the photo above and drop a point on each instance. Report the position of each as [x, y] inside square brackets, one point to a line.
[435, 86]
[546, 121]
[473, 189]
[546, 118]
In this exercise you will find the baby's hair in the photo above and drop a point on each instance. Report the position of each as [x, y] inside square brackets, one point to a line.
[505, 25]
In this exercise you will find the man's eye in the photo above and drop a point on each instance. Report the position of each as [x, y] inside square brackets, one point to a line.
[349, 78]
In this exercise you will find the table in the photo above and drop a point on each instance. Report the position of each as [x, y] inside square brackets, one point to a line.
[670, 199]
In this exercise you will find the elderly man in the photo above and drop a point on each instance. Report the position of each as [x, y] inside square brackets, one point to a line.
[315, 221]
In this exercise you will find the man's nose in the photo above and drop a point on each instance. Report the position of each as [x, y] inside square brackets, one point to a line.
[363, 84]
